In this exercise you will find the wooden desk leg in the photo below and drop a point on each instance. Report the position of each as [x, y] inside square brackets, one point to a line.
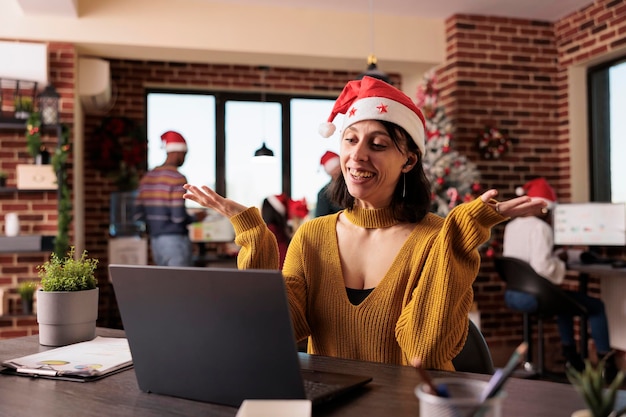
[583, 284]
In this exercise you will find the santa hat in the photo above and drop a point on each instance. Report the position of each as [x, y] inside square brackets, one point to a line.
[330, 161]
[174, 142]
[539, 189]
[278, 203]
[373, 99]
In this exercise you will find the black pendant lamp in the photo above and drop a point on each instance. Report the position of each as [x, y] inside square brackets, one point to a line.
[264, 151]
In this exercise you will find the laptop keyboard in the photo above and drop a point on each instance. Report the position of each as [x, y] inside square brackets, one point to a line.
[316, 389]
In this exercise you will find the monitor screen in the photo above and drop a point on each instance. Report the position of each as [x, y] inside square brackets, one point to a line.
[590, 224]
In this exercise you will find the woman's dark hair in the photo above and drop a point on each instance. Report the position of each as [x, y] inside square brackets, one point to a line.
[415, 204]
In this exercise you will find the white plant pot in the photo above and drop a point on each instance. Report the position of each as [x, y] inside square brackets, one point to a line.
[66, 317]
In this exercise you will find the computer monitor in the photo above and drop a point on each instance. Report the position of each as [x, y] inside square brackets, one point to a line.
[590, 224]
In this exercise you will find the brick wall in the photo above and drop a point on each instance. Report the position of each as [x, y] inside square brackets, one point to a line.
[512, 74]
[37, 210]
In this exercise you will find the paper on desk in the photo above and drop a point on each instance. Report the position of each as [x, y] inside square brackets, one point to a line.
[99, 356]
[275, 408]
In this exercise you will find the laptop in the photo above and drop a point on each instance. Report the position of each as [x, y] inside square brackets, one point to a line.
[217, 335]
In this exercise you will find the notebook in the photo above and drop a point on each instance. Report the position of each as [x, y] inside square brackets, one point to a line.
[217, 335]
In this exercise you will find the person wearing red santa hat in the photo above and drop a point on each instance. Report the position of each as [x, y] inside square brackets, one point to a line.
[274, 213]
[160, 206]
[384, 279]
[530, 239]
[282, 216]
[330, 163]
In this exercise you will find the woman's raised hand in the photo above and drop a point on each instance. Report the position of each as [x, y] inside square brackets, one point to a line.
[515, 207]
[208, 198]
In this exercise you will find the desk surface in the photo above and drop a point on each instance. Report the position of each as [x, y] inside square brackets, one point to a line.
[389, 394]
[601, 270]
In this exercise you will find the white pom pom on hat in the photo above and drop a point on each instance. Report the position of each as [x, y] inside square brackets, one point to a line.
[374, 99]
[327, 129]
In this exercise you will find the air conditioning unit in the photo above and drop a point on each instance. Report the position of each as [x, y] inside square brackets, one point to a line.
[95, 85]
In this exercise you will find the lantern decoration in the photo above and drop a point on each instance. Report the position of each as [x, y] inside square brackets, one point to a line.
[48, 101]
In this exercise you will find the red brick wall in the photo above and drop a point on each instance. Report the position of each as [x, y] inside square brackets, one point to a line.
[512, 74]
[37, 210]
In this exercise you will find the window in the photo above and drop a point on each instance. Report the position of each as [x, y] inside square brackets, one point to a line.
[224, 129]
[607, 138]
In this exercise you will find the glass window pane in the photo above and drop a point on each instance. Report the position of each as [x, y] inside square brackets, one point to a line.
[617, 85]
[250, 179]
[193, 116]
[307, 147]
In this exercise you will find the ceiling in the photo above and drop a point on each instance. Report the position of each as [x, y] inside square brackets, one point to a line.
[546, 10]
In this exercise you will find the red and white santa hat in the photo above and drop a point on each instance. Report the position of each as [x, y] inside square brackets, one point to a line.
[330, 161]
[279, 203]
[373, 99]
[174, 142]
[539, 189]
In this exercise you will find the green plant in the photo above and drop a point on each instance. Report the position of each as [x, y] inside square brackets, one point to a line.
[24, 104]
[26, 290]
[4, 175]
[59, 164]
[67, 273]
[590, 384]
[33, 133]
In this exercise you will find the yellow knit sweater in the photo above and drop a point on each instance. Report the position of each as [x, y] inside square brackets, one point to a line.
[419, 309]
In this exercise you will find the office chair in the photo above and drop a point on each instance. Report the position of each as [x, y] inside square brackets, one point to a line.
[475, 356]
[552, 300]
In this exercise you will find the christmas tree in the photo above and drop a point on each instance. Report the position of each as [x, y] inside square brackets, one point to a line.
[453, 178]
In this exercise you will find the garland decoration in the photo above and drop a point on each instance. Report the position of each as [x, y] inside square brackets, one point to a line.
[493, 143]
[121, 147]
[33, 134]
[59, 164]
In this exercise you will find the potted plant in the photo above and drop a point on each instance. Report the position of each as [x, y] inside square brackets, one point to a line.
[26, 290]
[23, 107]
[589, 383]
[67, 303]
[3, 178]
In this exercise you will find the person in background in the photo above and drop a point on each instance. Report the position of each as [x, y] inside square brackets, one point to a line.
[274, 213]
[159, 205]
[382, 280]
[530, 239]
[330, 162]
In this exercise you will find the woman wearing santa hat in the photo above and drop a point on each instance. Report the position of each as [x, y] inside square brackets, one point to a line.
[384, 279]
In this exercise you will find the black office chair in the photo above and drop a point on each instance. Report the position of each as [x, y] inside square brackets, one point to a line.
[475, 356]
[552, 300]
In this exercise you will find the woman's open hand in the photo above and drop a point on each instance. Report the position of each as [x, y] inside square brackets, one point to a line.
[208, 198]
[515, 207]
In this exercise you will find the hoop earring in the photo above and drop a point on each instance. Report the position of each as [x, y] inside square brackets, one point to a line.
[403, 185]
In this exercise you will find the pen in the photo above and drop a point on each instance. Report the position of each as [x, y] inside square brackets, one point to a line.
[440, 390]
[501, 375]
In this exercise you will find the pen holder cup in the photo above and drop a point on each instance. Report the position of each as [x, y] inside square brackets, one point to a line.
[463, 400]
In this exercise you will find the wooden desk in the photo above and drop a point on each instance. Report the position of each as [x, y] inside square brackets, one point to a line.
[389, 394]
[613, 293]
